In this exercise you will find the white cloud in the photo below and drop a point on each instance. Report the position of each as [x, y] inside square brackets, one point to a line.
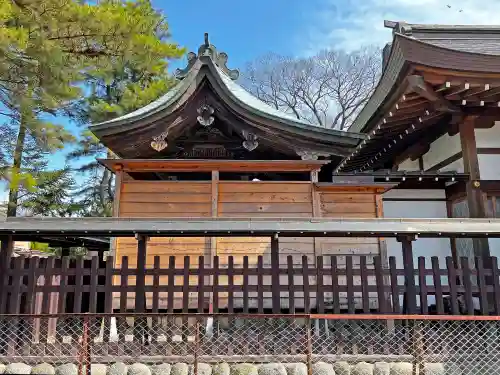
[351, 24]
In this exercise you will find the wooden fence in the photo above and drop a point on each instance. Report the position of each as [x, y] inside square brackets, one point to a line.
[352, 284]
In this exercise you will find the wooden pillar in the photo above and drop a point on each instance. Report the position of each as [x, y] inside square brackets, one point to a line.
[475, 199]
[275, 267]
[140, 283]
[409, 268]
[7, 246]
[116, 206]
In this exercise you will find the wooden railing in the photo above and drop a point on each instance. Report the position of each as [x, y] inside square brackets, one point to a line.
[349, 284]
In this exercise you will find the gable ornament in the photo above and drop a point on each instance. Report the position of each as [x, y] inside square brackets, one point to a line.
[205, 113]
[311, 155]
[250, 142]
[159, 142]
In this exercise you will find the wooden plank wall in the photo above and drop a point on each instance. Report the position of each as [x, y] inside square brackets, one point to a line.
[347, 202]
[165, 199]
[263, 199]
[244, 199]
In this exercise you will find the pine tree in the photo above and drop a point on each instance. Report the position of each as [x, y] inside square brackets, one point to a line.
[120, 90]
[47, 51]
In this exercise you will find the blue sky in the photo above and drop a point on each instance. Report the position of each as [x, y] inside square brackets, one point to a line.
[246, 30]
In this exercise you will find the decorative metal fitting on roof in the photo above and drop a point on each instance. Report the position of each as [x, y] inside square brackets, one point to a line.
[205, 113]
[403, 28]
[219, 59]
[250, 143]
[159, 142]
[311, 155]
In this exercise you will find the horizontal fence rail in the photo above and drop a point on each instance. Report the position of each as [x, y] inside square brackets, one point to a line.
[252, 344]
[348, 284]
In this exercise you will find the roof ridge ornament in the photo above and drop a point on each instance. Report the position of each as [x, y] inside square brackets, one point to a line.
[218, 58]
[399, 27]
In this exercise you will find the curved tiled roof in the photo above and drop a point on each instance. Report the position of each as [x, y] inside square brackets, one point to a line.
[457, 47]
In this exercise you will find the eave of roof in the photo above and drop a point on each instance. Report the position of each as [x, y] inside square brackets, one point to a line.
[231, 227]
[240, 98]
[188, 165]
[407, 51]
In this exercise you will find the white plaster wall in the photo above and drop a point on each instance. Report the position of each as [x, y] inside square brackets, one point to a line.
[441, 149]
[489, 166]
[456, 166]
[409, 165]
[426, 247]
[488, 137]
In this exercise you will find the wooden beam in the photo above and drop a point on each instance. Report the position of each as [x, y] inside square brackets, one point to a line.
[473, 189]
[418, 84]
[116, 204]
[194, 165]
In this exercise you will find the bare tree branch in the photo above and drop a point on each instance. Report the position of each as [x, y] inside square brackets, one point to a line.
[328, 89]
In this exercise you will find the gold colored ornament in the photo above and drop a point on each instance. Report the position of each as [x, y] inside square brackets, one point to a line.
[159, 142]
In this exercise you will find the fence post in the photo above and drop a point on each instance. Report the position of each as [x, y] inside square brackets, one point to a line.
[84, 357]
[308, 345]
[196, 345]
[417, 348]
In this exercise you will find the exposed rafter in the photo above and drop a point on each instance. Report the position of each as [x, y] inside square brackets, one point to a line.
[417, 84]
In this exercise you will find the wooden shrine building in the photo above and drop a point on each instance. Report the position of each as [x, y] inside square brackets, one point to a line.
[208, 148]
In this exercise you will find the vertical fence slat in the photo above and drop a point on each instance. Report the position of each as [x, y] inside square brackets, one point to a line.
[171, 284]
[305, 283]
[230, 284]
[216, 285]
[246, 285]
[201, 284]
[31, 287]
[436, 277]
[350, 285]
[466, 277]
[108, 285]
[46, 297]
[394, 285]
[481, 282]
[47, 284]
[452, 282]
[291, 285]
[185, 285]
[379, 280]
[364, 284]
[260, 284]
[156, 284]
[185, 298]
[93, 284]
[61, 305]
[275, 275]
[123, 284]
[496, 283]
[320, 296]
[422, 283]
[15, 291]
[335, 285]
